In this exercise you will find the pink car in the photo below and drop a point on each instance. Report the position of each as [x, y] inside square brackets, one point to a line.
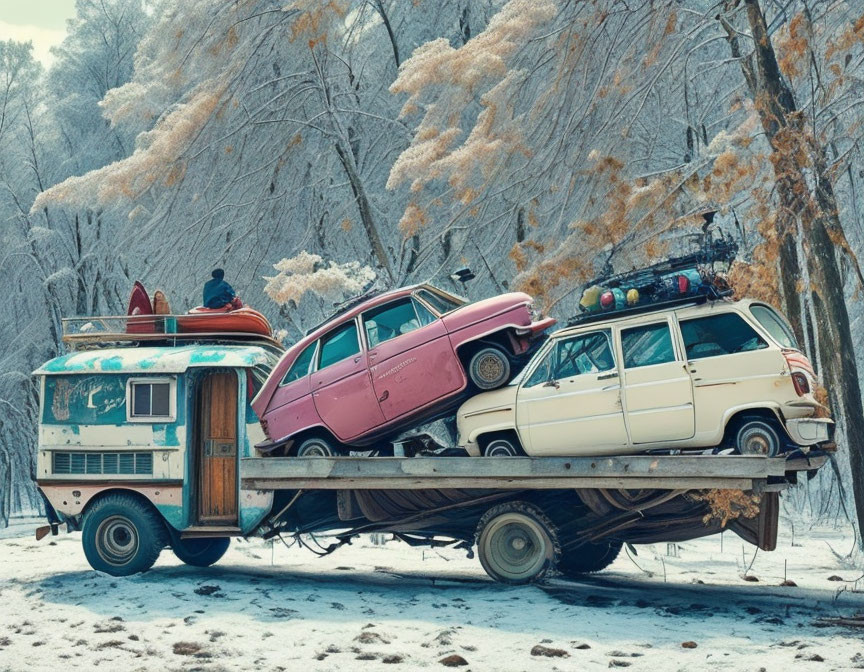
[389, 362]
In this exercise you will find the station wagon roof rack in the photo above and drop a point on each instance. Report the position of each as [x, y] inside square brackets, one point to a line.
[589, 318]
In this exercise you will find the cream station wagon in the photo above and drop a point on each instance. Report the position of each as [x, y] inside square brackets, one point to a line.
[697, 375]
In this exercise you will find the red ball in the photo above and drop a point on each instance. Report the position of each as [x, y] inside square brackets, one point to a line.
[607, 299]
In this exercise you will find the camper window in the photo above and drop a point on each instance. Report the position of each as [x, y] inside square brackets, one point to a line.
[151, 400]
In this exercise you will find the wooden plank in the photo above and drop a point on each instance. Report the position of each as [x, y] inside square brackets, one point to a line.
[650, 466]
[486, 483]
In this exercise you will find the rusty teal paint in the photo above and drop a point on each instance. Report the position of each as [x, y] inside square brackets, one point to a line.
[175, 515]
[163, 359]
[84, 400]
[112, 364]
[165, 435]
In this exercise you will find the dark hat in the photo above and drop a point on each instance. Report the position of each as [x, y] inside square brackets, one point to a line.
[218, 273]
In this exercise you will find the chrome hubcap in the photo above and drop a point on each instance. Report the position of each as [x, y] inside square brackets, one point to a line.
[490, 368]
[314, 450]
[500, 449]
[117, 540]
[515, 547]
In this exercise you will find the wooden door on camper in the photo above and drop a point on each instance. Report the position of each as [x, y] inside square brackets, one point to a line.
[217, 501]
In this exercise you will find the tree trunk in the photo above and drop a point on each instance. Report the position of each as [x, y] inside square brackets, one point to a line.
[822, 233]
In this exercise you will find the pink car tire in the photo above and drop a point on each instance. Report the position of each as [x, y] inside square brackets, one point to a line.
[489, 368]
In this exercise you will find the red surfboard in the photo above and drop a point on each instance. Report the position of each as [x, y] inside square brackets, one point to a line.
[139, 304]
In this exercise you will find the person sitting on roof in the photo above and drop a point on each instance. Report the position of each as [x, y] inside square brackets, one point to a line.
[219, 294]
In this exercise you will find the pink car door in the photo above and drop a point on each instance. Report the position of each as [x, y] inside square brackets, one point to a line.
[341, 388]
[410, 357]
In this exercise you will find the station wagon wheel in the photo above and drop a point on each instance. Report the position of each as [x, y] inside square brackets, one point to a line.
[122, 535]
[516, 543]
[316, 446]
[756, 436]
[489, 368]
[503, 447]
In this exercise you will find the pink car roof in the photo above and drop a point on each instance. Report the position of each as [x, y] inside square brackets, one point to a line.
[262, 399]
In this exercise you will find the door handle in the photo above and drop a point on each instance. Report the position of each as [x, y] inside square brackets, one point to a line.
[372, 356]
[607, 376]
[358, 358]
[384, 396]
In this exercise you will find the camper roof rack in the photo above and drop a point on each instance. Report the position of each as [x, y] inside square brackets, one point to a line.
[81, 333]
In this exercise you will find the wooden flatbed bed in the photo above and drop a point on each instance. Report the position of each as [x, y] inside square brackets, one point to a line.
[631, 472]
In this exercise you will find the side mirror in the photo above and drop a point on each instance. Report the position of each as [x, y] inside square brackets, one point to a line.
[552, 383]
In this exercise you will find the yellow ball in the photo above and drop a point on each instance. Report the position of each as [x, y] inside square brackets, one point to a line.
[632, 297]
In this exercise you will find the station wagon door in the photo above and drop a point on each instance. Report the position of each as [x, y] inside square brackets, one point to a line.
[341, 388]
[658, 392]
[411, 360]
[571, 403]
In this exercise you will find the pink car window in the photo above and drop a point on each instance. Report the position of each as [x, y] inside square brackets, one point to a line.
[438, 302]
[300, 367]
[389, 321]
[338, 345]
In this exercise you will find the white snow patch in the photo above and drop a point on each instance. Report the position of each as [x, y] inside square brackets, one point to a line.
[268, 608]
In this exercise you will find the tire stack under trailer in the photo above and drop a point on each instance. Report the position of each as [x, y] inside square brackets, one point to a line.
[528, 516]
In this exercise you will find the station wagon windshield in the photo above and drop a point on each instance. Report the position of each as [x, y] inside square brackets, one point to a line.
[775, 325]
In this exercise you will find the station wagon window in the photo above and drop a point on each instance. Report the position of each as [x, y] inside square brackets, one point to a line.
[338, 345]
[570, 357]
[392, 320]
[775, 325]
[717, 335]
[646, 346]
[301, 365]
[150, 399]
[439, 302]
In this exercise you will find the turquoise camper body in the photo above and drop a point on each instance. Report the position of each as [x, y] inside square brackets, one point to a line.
[164, 424]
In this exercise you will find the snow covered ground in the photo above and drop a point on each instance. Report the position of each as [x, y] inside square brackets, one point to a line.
[391, 607]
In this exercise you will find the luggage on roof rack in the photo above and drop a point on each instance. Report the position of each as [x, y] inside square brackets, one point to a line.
[675, 281]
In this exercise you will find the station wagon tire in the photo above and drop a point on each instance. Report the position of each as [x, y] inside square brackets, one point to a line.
[503, 447]
[757, 436]
[489, 368]
[122, 535]
[517, 543]
[316, 446]
[588, 558]
[200, 552]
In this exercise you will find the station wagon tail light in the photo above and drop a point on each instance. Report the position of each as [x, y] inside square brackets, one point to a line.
[802, 385]
[264, 426]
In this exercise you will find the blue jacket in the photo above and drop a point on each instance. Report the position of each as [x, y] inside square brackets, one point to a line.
[217, 293]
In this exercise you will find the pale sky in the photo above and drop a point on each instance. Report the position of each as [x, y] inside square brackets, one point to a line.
[42, 22]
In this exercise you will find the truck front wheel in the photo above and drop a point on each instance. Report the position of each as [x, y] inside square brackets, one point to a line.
[122, 535]
[200, 552]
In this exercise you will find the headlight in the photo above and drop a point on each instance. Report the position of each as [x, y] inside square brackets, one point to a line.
[535, 314]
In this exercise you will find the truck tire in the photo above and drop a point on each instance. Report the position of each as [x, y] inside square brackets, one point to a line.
[517, 543]
[588, 558]
[200, 552]
[757, 436]
[489, 368]
[317, 446]
[122, 535]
